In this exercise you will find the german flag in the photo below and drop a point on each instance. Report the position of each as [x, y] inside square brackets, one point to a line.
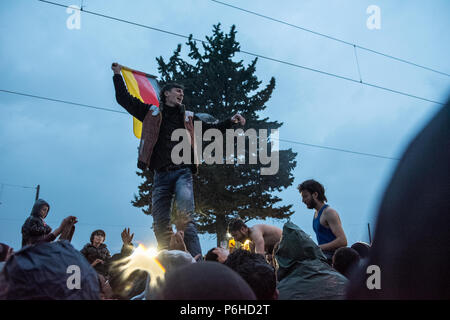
[144, 87]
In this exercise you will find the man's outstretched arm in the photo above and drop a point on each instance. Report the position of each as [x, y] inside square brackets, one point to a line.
[237, 120]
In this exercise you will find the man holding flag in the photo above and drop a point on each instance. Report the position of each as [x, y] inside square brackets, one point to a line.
[170, 180]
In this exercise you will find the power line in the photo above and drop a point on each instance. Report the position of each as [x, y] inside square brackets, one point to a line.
[283, 140]
[62, 101]
[122, 20]
[338, 149]
[15, 185]
[332, 38]
[257, 55]
[86, 224]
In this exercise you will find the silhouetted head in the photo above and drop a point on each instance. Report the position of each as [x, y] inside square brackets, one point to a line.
[344, 260]
[205, 281]
[256, 272]
[362, 248]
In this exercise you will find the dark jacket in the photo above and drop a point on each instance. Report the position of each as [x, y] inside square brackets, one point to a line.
[151, 124]
[35, 229]
[303, 273]
[92, 253]
[47, 271]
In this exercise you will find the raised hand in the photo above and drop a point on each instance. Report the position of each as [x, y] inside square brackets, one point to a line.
[126, 237]
[237, 118]
[116, 68]
[154, 110]
[97, 261]
[177, 241]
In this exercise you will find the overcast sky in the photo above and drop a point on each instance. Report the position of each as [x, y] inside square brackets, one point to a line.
[85, 159]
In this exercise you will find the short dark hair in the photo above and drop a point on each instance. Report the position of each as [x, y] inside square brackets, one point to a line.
[362, 248]
[98, 232]
[345, 259]
[254, 269]
[211, 256]
[168, 87]
[236, 224]
[313, 186]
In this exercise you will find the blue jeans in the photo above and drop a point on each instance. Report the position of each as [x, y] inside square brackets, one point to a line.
[167, 186]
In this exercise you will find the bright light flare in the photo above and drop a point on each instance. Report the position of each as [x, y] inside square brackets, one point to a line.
[246, 245]
[143, 259]
[151, 252]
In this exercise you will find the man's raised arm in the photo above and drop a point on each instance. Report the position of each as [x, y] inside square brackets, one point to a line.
[133, 105]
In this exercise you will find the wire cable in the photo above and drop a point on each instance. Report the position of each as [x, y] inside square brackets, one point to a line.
[62, 101]
[332, 38]
[338, 149]
[16, 186]
[255, 55]
[283, 140]
[54, 222]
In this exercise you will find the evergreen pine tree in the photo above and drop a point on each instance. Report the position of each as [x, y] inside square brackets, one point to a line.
[218, 85]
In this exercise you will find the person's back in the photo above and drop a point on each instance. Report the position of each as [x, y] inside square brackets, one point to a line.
[49, 271]
[324, 234]
[303, 272]
[270, 234]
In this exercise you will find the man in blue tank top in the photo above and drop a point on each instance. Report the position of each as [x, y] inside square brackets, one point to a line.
[326, 223]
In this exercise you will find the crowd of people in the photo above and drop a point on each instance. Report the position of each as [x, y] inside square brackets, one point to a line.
[277, 265]
[409, 256]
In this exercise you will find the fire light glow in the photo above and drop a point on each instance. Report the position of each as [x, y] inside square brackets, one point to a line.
[246, 245]
[143, 259]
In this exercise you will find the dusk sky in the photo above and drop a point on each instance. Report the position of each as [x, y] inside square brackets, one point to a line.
[85, 159]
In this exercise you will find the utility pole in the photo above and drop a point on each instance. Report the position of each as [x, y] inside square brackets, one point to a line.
[37, 191]
[370, 236]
